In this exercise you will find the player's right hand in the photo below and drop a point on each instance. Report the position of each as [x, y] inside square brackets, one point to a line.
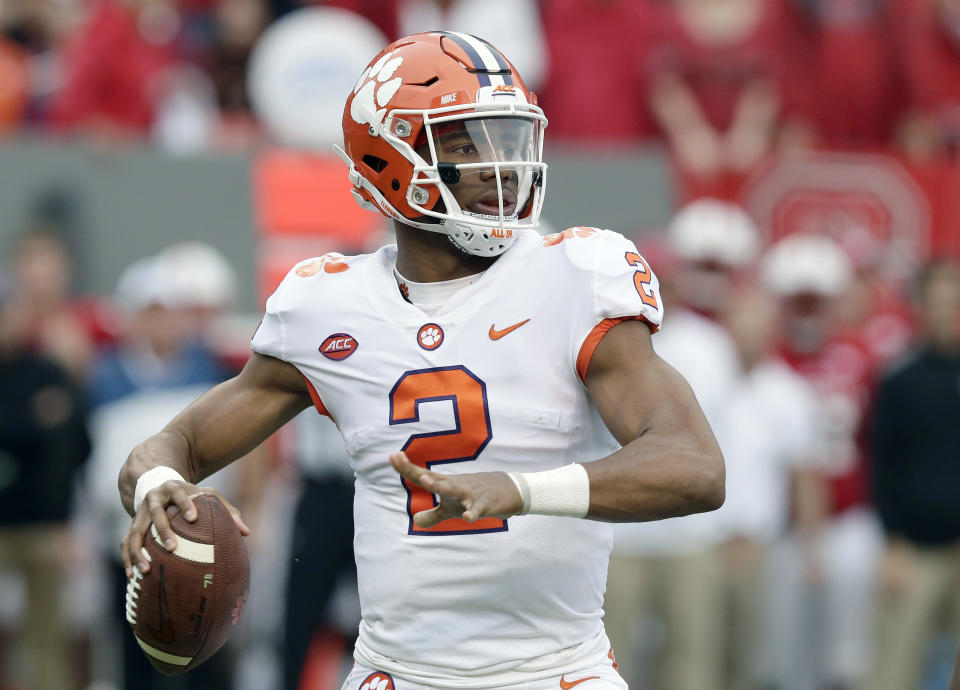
[155, 510]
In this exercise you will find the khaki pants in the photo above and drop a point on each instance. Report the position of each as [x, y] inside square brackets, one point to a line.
[32, 552]
[685, 592]
[909, 619]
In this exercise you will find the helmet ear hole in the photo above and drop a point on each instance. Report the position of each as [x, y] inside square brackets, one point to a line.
[377, 164]
[395, 184]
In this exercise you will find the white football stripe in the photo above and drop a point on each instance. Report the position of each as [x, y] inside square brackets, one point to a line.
[160, 655]
[190, 550]
[489, 61]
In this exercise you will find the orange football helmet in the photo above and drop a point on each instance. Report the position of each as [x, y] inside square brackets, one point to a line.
[439, 110]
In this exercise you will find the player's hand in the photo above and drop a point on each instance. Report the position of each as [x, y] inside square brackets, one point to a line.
[153, 510]
[465, 496]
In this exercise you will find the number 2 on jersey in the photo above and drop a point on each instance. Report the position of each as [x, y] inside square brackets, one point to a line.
[461, 444]
[642, 278]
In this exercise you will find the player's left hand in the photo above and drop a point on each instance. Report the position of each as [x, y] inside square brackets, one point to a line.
[465, 496]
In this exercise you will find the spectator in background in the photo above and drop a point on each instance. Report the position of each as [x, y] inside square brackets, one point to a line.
[928, 42]
[915, 440]
[596, 83]
[810, 274]
[51, 321]
[157, 367]
[715, 244]
[849, 78]
[717, 89]
[768, 431]
[111, 97]
[43, 441]
[665, 581]
[521, 37]
[204, 285]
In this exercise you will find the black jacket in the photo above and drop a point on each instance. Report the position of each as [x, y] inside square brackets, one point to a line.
[915, 444]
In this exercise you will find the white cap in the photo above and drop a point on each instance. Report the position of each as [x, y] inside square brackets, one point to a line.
[806, 264]
[198, 275]
[142, 284]
[714, 230]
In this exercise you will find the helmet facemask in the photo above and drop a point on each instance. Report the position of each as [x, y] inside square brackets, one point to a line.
[489, 174]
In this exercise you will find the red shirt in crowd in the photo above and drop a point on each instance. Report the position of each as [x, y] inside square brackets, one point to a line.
[930, 54]
[851, 83]
[841, 372]
[112, 66]
[595, 90]
[717, 73]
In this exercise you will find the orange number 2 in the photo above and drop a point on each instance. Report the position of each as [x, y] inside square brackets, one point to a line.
[461, 444]
[642, 278]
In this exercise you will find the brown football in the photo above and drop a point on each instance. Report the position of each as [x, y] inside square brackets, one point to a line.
[187, 605]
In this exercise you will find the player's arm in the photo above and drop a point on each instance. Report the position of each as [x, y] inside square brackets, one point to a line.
[221, 426]
[670, 463]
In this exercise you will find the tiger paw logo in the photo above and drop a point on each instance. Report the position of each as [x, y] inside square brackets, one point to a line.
[374, 90]
[430, 336]
[328, 263]
[377, 681]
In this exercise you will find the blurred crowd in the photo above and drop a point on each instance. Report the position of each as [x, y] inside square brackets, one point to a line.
[830, 376]
[722, 82]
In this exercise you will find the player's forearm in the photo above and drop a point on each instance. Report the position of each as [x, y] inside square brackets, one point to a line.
[221, 426]
[655, 477]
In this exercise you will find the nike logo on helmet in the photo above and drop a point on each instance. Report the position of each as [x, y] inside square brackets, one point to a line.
[496, 335]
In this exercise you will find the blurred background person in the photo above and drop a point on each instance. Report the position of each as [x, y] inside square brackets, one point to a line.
[43, 443]
[810, 275]
[850, 85]
[52, 319]
[714, 244]
[916, 469]
[769, 434]
[928, 42]
[664, 612]
[719, 89]
[612, 39]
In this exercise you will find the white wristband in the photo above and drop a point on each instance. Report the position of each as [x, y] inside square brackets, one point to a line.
[564, 492]
[151, 479]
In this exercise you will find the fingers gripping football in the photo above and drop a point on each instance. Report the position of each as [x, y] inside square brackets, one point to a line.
[466, 496]
[171, 495]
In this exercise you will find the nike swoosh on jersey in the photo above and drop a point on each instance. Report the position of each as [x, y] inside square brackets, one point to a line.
[567, 684]
[496, 335]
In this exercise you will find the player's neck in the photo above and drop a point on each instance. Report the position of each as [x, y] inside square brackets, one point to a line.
[430, 257]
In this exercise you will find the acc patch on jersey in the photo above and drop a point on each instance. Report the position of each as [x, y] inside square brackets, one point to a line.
[338, 346]
[377, 681]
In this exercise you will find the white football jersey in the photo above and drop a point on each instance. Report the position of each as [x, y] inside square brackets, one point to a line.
[491, 381]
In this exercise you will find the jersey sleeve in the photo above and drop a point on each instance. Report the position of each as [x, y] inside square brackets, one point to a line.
[272, 337]
[621, 283]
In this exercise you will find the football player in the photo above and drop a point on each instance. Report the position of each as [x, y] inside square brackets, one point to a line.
[496, 390]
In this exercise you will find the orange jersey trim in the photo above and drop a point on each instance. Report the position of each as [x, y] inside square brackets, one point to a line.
[593, 339]
[317, 402]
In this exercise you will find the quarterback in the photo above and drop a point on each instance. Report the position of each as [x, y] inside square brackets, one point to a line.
[496, 390]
